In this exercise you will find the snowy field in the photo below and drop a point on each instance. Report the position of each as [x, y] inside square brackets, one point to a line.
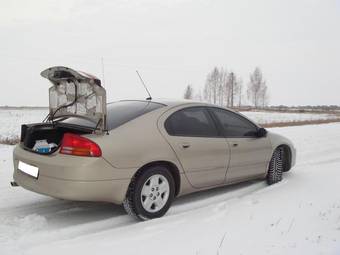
[300, 215]
[276, 117]
[11, 120]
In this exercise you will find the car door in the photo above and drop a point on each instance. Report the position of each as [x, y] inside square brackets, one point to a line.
[249, 154]
[194, 137]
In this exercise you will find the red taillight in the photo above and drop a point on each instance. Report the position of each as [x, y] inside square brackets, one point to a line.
[79, 146]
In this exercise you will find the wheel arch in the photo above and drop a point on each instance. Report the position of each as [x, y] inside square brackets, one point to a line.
[169, 165]
[287, 155]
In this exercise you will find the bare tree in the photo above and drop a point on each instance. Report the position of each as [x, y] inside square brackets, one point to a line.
[238, 92]
[211, 87]
[207, 90]
[231, 89]
[264, 97]
[257, 89]
[189, 92]
[226, 89]
[214, 81]
[221, 86]
[198, 95]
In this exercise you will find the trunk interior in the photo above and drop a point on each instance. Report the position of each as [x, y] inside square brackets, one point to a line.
[53, 134]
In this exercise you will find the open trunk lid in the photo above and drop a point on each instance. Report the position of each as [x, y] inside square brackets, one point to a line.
[76, 94]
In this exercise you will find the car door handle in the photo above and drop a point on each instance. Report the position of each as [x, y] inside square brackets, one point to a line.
[185, 145]
[235, 144]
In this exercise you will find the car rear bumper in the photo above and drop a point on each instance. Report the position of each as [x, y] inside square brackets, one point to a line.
[105, 191]
[72, 178]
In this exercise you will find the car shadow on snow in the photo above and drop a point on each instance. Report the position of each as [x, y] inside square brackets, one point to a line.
[75, 213]
[215, 195]
[63, 213]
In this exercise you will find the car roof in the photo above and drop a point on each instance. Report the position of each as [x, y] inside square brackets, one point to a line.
[175, 102]
[169, 102]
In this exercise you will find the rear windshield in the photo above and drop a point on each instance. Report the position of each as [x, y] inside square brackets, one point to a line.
[118, 113]
[121, 112]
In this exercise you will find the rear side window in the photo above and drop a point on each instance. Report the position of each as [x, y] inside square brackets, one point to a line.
[121, 112]
[194, 122]
[233, 124]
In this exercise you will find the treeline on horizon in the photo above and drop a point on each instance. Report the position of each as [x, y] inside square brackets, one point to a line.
[228, 89]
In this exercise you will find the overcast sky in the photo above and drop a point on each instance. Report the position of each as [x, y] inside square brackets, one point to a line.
[172, 43]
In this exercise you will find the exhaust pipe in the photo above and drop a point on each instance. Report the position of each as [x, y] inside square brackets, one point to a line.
[14, 184]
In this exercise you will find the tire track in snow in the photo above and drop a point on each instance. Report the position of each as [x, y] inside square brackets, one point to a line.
[95, 217]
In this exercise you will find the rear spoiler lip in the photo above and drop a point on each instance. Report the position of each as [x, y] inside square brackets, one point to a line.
[57, 123]
[58, 73]
[75, 116]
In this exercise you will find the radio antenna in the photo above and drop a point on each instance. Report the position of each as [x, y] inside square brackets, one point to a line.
[149, 98]
[103, 71]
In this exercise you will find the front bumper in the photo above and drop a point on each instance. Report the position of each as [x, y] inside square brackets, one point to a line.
[72, 178]
[293, 159]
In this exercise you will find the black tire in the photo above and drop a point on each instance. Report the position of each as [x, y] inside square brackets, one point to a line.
[133, 200]
[276, 166]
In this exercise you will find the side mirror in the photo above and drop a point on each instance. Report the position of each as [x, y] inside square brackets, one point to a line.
[261, 132]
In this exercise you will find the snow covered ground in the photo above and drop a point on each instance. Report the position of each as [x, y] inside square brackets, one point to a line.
[275, 117]
[11, 120]
[300, 215]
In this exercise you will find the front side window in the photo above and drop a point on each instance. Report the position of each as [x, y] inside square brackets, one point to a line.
[234, 125]
[192, 122]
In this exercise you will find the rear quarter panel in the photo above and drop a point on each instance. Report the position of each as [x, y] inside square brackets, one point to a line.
[136, 143]
[66, 167]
